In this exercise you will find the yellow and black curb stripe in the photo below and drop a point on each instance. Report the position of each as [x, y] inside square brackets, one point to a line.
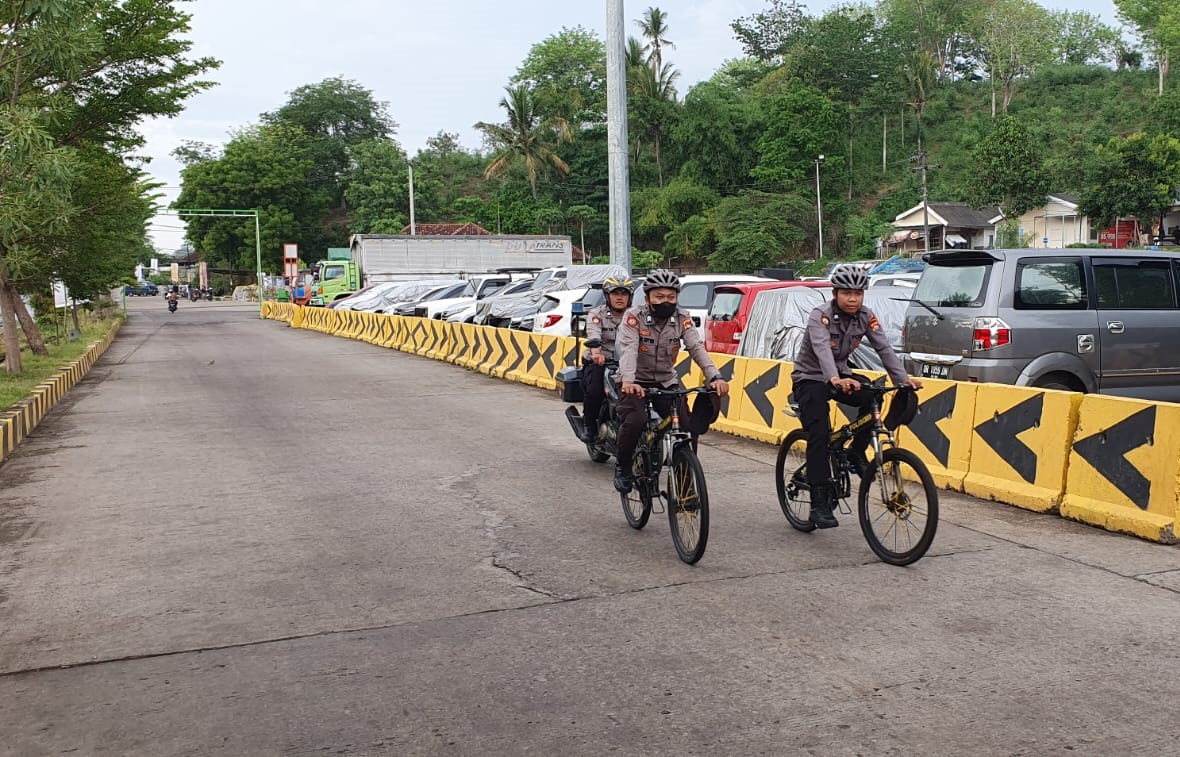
[1106, 461]
[18, 421]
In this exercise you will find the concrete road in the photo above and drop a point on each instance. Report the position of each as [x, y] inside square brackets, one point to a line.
[236, 538]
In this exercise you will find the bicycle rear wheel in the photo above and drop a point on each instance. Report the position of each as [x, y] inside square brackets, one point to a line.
[790, 478]
[637, 502]
[688, 504]
[898, 507]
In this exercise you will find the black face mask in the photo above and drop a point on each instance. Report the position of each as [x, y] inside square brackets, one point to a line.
[664, 310]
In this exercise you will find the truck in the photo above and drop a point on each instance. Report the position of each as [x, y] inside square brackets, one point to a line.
[375, 258]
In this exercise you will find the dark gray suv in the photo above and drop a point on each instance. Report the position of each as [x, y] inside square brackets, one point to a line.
[1084, 320]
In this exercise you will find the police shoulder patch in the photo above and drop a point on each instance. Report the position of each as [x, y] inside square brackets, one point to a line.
[688, 323]
[596, 319]
[874, 324]
[632, 321]
[824, 320]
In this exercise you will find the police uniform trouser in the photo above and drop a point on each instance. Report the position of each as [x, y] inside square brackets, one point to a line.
[592, 393]
[632, 412]
[813, 397]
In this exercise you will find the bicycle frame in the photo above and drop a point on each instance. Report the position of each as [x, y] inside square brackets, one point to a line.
[838, 441]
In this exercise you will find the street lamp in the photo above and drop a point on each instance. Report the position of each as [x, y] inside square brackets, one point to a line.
[819, 205]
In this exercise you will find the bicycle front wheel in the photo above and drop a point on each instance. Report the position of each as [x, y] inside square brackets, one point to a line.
[790, 478]
[688, 504]
[637, 502]
[898, 507]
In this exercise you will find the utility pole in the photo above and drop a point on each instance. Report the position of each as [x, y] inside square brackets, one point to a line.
[819, 205]
[413, 229]
[923, 167]
[616, 136]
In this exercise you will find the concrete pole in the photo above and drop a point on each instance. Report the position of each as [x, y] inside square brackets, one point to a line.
[616, 135]
[413, 229]
[819, 206]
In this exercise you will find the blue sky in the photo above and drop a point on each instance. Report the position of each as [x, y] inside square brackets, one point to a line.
[440, 65]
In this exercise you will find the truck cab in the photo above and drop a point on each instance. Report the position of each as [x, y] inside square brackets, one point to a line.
[336, 278]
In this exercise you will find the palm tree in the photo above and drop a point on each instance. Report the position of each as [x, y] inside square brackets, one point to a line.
[525, 136]
[654, 26]
[582, 214]
[658, 88]
[919, 73]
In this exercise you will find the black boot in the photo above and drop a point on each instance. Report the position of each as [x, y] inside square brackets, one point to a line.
[623, 482]
[821, 506]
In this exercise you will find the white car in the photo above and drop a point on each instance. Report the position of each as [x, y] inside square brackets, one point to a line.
[696, 293]
[463, 310]
[556, 314]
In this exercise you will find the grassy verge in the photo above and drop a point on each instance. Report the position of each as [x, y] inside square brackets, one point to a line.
[13, 389]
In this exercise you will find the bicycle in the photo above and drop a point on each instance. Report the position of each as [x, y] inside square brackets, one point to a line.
[664, 447]
[896, 510]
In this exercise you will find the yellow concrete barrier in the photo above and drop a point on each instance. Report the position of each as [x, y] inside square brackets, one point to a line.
[1124, 467]
[942, 431]
[1021, 445]
[761, 399]
[544, 360]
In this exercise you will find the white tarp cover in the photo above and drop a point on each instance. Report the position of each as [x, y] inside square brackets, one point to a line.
[778, 321]
[576, 277]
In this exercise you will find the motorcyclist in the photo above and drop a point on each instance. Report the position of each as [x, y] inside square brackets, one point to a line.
[821, 373]
[647, 346]
[602, 324]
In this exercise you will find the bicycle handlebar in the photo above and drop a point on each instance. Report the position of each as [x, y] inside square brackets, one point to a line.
[678, 392]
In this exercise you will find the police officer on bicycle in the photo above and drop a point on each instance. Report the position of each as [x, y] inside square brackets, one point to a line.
[602, 323]
[821, 373]
[648, 343]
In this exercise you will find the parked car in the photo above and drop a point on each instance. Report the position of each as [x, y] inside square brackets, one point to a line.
[366, 297]
[477, 288]
[343, 301]
[897, 268]
[731, 307]
[146, 289]
[445, 291]
[1075, 319]
[464, 310]
[575, 277]
[696, 292]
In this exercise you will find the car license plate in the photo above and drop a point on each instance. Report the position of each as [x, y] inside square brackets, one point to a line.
[934, 370]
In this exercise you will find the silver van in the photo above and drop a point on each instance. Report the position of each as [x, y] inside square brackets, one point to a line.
[1085, 320]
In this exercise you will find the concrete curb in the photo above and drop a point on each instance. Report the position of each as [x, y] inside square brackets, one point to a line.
[19, 421]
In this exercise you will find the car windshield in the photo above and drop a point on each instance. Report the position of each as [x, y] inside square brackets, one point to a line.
[954, 286]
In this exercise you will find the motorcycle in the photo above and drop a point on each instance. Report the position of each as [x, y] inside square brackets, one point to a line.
[605, 442]
[194, 295]
[209, 294]
[172, 298]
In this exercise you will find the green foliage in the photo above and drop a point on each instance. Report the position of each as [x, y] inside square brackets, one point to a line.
[1136, 176]
[270, 167]
[759, 229]
[566, 74]
[377, 187]
[767, 35]
[528, 137]
[801, 124]
[1009, 169]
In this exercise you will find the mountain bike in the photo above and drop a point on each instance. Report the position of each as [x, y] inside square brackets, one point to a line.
[667, 450]
[897, 503]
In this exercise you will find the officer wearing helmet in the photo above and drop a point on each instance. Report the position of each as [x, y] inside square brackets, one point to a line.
[602, 324]
[821, 373]
[648, 344]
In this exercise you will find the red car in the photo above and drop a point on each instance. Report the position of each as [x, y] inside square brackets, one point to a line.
[731, 309]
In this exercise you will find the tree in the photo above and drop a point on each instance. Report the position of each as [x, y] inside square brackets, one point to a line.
[1010, 169]
[444, 172]
[713, 134]
[654, 27]
[525, 137]
[1136, 176]
[72, 74]
[1082, 39]
[268, 167]
[1156, 21]
[918, 78]
[654, 106]
[801, 124]
[581, 214]
[767, 35]
[566, 74]
[335, 114]
[1011, 36]
[376, 187]
[758, 230]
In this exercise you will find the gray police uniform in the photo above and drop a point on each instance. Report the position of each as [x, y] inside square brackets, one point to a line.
[602, 324]
[648, 350]
[832, 336]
